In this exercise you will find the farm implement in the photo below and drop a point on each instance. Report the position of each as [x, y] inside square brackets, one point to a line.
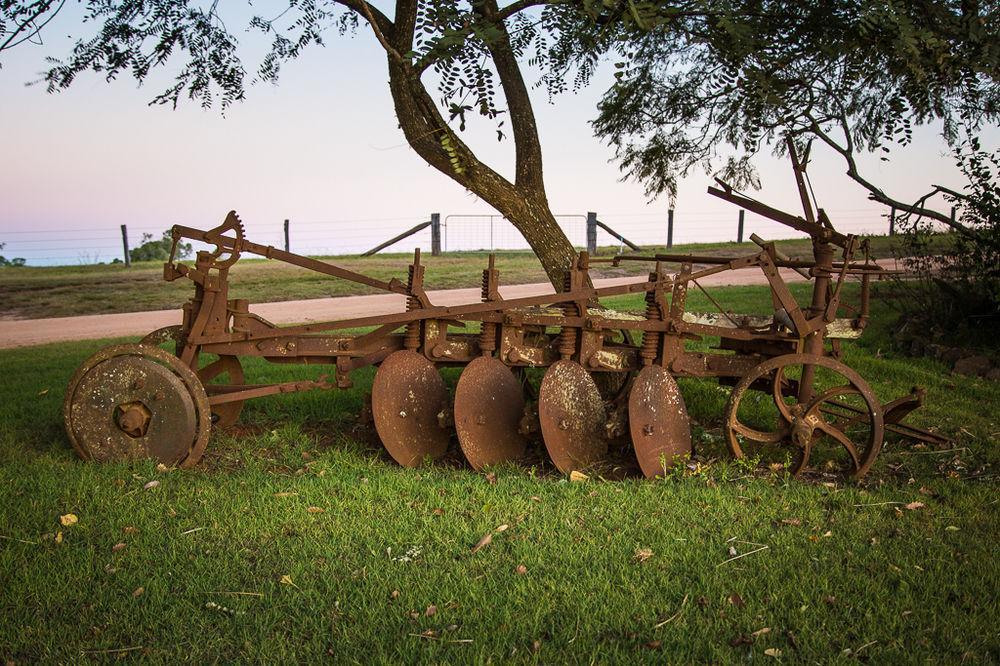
[792, 394]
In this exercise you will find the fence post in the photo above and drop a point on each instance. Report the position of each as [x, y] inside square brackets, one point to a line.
[128, 259]
[435, 234]
[592, 233]
[670, 228]
[739, 229]
[288, 245]
[892, 221]
[952, 227]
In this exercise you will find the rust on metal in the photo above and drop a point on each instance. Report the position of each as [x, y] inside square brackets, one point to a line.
[489, 405]
[408, 399]
[143, 401]
[572, 416]
[658, 421]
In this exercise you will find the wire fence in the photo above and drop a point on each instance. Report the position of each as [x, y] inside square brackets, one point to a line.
[83, 246]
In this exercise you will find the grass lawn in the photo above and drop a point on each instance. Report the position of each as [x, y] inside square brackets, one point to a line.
[59, 291]
[297, 539]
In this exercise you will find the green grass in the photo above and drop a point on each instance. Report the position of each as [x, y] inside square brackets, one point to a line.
[848, 573]
[31, 292]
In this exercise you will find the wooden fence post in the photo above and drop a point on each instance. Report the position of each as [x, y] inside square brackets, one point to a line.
[670, 228]
[739, 229]
[128, 259]
[592, 233]
[435, 234]
[892, 221]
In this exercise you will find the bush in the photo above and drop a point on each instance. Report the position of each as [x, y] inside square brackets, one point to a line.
[158, 249]
[957, 290]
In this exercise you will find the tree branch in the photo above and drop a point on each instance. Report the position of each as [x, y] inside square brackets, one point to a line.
[877, 194]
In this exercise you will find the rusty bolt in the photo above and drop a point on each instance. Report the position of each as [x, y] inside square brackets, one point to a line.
[290, 346]
[647, 429]
[513, 356]
[594, 362]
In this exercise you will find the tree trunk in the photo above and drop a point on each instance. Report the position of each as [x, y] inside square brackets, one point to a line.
[524, 205]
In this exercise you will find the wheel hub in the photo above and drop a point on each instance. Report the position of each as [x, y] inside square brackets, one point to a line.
[133, 419]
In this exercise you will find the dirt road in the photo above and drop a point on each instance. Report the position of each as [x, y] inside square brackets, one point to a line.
[27, 332]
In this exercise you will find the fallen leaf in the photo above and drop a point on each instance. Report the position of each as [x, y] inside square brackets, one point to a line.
[732, 551]
[737, 600]
[285, 494]
[394, 594]
[431, 611]
[830, 599]
[482, 543]
[286, 580]
[795, 522]
[152, 484]
[761, 632]
[521, 570]
[913, 506]
[776, 467]
[43, 392]
[536, 645]
[643, 554]
[59, 537]
[924, 490]
[828, 533]
[160, 467]
[117, 547]
[438, 512]
[491, 477]
[137, 592]
[68, 519]
[654, 645]
[129, 529]
[577, 476]
[501, 528]
[773, 652]
[315, 509]
[951, 528]
[535, 498]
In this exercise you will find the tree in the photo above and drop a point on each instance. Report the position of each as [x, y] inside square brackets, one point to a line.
[467, 46]
[16, 262]
[697, 79]
[151, 249]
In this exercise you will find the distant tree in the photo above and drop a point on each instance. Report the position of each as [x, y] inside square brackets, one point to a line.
[158, 249]
[15, 262]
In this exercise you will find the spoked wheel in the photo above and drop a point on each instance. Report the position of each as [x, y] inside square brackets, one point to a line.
[227, 371]
[572, 417]
[823, 430]
[137, 401]
[658, 421]
[408, 400]
[489, 403]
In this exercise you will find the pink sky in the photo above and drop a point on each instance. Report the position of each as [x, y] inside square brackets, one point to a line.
[322, 148]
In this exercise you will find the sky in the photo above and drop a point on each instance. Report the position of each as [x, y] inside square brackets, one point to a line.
[322, 148]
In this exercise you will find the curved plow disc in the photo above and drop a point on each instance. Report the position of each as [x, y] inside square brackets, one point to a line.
[408, 395]
[488, 408]
[658, 421]
[572, 417]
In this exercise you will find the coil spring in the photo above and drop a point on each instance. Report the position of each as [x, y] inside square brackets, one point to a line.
[650, 339]
[488, 334]
[412, 337]
[567, 336]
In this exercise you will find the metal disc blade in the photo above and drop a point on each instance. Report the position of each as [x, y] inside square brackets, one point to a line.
[488, 408]
[658, 421]
[131, 407]
[572, 417]
[408, 395]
